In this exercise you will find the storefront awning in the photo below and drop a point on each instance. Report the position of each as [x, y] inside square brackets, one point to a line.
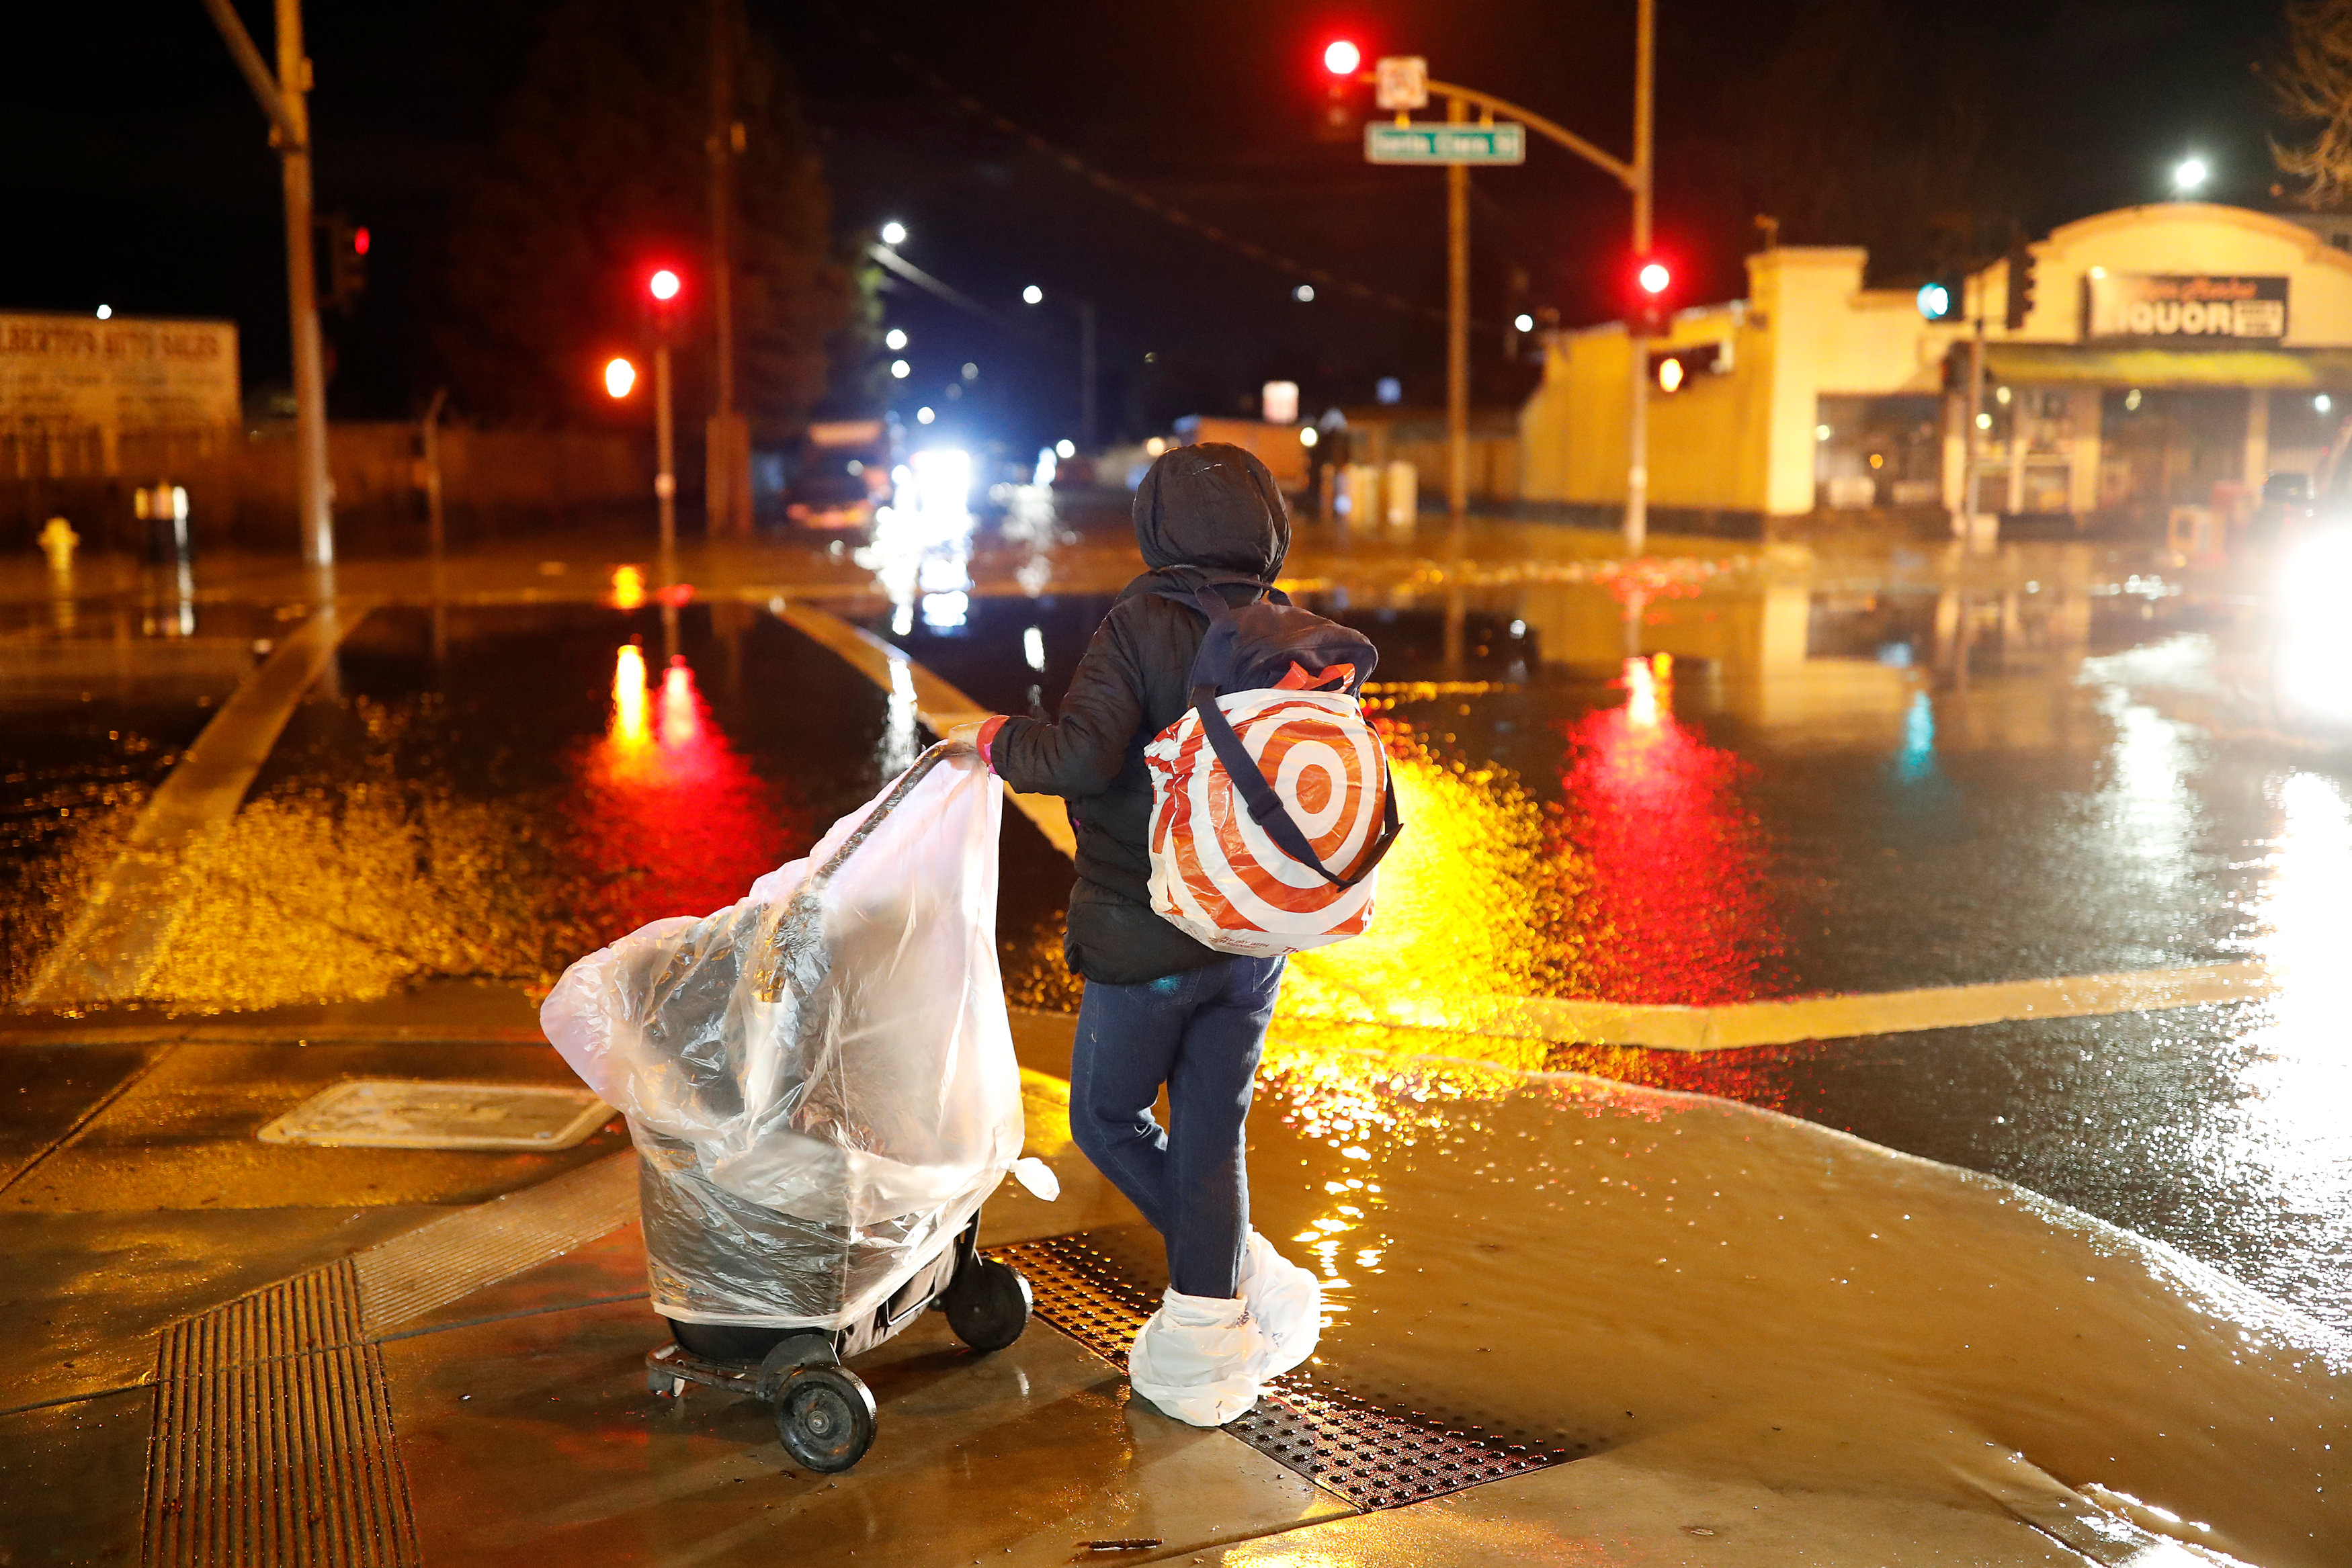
[2068, 364]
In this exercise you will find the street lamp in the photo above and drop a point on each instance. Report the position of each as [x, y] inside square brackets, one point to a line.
[900, 369]
[895, 339]
[1032, 295]
[894, 233]
[2189, 175]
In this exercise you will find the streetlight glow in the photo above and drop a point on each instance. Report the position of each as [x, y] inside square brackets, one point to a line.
[663, 284]
[1341, 58]
[2189, 175]
[620, 377]
[1304, 294]
[1523, 322]
[106, 312]
[894, 233]
[895, 339]
[900, 369]
[1032, 295]
[924, 416]
[1066, 448]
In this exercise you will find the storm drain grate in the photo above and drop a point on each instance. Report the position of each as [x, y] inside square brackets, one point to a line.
[273, 1439]
[1373, 1457]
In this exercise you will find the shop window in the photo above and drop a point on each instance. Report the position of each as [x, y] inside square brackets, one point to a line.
[1878, 452]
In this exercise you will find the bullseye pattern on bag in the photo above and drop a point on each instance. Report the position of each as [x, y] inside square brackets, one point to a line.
[1215, 872]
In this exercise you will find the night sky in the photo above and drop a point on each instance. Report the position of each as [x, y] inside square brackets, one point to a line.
[139, 173]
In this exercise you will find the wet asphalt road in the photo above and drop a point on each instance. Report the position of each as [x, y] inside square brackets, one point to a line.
[488, 812]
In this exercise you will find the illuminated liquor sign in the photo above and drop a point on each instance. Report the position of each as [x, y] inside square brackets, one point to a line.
[2168, 306]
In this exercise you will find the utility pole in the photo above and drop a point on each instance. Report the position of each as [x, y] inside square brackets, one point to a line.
[1637, 345]
[283, 98]
[1457, 331]
[727, 488]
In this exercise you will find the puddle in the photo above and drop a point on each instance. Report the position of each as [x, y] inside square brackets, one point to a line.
[1595, 1266]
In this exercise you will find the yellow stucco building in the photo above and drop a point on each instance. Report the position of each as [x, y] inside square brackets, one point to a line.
[2173, 354]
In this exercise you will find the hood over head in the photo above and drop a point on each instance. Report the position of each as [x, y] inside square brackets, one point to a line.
[1214, 506]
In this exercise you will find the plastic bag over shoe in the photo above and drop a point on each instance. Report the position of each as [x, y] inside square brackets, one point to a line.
[820, 1079]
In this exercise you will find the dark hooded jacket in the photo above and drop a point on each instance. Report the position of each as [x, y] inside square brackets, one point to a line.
[1205, 509]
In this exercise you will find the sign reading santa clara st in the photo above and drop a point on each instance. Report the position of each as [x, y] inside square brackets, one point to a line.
[2169, 306]
[1422, 143]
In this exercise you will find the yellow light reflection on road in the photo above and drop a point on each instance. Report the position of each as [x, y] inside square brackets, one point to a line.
[1468, 910]
[628, 731]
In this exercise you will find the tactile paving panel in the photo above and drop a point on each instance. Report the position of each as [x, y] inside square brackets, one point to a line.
[1373, 1457]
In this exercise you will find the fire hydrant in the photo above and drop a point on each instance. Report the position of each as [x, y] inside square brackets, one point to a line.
[59, 541]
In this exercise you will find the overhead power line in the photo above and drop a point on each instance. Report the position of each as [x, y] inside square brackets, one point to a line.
[1104, 181]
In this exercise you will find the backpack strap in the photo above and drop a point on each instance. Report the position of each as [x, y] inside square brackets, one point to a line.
[1265, 807]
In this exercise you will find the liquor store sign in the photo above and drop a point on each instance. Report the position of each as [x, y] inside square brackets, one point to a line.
[2169, 306]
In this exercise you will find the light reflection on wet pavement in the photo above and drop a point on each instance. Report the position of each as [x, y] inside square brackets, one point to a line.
[1696, 833]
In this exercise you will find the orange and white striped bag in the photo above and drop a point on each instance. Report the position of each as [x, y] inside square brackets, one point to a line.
[1217, 871]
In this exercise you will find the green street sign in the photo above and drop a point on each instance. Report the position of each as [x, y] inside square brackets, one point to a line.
[1426, 143]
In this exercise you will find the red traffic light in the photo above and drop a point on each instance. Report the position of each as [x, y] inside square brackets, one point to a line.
[359, 242]
[1341, 58]
[663, 285]
[1654, 279]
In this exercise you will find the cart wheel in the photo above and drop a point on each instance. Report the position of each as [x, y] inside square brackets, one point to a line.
[988, 1304]
[826, 1417]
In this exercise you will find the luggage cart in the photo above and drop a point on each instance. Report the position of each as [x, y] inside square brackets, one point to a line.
[825, 1413]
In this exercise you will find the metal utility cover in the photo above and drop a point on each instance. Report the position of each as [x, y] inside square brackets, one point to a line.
[407, 1113]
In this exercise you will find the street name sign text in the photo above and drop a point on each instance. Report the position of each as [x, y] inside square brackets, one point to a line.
[1426, 143]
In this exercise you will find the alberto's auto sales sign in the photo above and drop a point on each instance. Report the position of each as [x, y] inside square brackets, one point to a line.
[2168, 307]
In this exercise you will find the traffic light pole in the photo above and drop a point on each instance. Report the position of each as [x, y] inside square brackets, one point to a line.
[283, 98]
[666, 460]
[1636, 177]
[1637, 344]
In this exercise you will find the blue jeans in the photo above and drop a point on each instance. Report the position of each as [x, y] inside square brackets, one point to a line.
[1199, 1032]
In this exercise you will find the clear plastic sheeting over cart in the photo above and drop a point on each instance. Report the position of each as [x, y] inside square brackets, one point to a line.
[820, 1079]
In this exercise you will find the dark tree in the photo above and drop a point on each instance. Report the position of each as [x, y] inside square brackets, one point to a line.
[600, 171]
[2313, 85]
[1866, 129]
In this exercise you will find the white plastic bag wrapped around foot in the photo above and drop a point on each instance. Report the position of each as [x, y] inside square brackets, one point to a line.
[1200, 1358]
[1285, 1300]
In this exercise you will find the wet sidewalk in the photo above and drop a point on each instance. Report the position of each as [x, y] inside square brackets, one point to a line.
[239, 1352]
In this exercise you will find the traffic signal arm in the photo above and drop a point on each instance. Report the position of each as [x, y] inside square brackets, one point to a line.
[1616, 168]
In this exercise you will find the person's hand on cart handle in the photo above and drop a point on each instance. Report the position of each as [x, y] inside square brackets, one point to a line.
[976, 735]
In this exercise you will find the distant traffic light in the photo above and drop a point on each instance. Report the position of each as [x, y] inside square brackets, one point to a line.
[1653, 283]
[1938, 300]
[1341, 60]
[2020, 283]
[346, 269]
[665, 300]
[620, 377]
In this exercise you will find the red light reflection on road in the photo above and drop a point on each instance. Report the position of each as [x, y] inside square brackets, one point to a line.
[1676, 910]
[667, 814]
